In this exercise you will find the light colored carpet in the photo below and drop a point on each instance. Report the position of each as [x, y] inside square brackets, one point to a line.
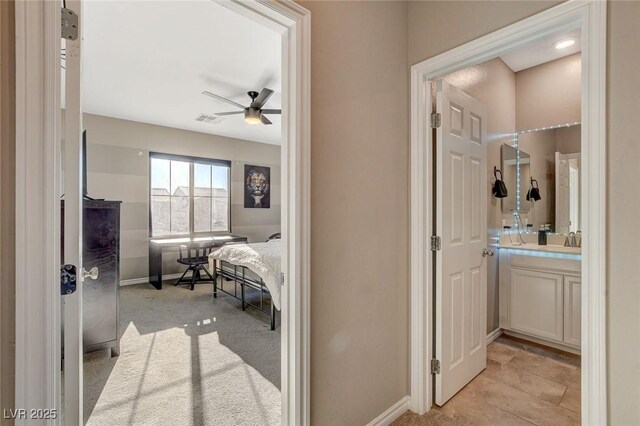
[186, 359]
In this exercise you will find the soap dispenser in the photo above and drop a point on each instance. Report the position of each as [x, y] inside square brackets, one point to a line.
[542, 235]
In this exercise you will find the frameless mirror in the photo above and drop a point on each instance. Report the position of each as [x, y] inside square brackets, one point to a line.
[550, 161]
[514, 168]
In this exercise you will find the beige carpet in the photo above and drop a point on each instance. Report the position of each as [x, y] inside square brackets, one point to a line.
[186, 359]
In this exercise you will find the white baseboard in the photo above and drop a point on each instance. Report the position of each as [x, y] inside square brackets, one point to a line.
[494, 335]
[543, 342]
[144, 280]
[392, 413]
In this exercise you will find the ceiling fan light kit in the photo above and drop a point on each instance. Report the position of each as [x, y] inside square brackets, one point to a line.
[253, 114]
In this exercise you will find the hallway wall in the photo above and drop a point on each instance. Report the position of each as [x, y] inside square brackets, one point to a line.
[359, 209]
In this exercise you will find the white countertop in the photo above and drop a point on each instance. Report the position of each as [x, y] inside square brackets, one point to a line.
[547, 248]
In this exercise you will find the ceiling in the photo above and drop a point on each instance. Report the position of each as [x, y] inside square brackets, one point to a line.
[541, 52]
[150, 61]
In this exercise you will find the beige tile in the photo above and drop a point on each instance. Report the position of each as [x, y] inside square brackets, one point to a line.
[557, 371]
[521, 404]
[464, 408]
[521, 379]
[500, 352]
[468, 408]
[571, 400]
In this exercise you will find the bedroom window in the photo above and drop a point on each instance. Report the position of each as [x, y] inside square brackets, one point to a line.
[188, 195]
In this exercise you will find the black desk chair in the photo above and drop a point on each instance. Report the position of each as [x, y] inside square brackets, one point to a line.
[195, 257]
[275, 236]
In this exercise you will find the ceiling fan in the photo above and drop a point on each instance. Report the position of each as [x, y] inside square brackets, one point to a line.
[253, 114]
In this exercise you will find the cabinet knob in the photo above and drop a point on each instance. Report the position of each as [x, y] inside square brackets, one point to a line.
[92, 273]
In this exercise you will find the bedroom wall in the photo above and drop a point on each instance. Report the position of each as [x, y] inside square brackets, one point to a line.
[118, 169]
[359, 209]
[7, 214]
[494, 85]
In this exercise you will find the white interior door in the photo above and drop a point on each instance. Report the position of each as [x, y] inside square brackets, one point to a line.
[461, 269]
[72, 303]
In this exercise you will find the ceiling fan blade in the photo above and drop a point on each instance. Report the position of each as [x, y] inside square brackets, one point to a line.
[272, 111]
[220, 98]
[262, 98]
[229, 113]
[265, 120]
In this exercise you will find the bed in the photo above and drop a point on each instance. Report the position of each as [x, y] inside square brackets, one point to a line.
[256, 272]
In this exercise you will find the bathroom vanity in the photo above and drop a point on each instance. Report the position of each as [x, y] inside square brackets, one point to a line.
[539, 286]
[539, 292]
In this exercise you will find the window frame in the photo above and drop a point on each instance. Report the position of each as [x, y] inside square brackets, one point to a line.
[192, 161]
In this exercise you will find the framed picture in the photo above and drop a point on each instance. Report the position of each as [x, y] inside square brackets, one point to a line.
[257, 187]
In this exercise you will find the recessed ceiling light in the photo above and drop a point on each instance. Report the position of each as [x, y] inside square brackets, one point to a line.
[563, 44]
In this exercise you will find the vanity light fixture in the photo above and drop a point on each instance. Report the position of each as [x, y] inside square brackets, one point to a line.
[563, 44]
[522, 132]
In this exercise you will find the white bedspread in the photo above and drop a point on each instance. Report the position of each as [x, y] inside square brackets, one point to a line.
[264, 259]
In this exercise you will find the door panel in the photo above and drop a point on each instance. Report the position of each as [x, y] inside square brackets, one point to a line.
[72, 146]
[536, 305]
[461, 212]
[572, 307]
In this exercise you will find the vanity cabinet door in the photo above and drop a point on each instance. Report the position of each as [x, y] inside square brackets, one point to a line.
[536, 305]
[572, 305]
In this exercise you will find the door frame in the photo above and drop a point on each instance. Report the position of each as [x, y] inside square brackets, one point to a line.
[590, 16]
[38, 177]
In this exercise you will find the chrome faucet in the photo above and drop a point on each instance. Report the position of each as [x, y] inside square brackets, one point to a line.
[570, 240]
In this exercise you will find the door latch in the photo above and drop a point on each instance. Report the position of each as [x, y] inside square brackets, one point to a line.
[435, 366]
[67, 279]
[486, 252]
[436, 243]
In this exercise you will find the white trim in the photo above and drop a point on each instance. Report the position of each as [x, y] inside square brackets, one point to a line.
[38, 138]
[392, 413]
[544, 342]
[145, 280]
[590, 16]
[38, 342]
[494, 335]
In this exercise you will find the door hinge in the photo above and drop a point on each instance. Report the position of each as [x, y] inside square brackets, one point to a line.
[435, 366]
[69, 24]
[282, 278]
[436, 120]
[435, 243]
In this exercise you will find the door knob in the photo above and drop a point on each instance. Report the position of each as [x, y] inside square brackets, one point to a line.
[92, 273]
[486, 252]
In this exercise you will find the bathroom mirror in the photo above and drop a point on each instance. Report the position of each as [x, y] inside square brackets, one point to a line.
[509, 160]
[553, 162]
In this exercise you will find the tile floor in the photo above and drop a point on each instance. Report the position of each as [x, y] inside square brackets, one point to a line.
[523, 384]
